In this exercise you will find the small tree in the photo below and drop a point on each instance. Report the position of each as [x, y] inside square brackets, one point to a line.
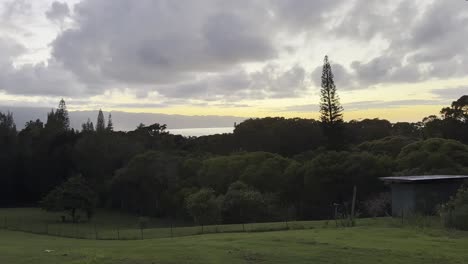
[88, 126]
[101, 123]
[204, 207]
[110, 124]
[72, 196]
[243, 204]
[454, 213]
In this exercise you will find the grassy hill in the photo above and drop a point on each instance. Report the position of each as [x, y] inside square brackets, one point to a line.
[372, 241]
[322, 245]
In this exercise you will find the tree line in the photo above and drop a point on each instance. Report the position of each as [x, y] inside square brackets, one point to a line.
[267, 169]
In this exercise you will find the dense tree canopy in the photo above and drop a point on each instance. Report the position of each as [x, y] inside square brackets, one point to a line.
[267, 169]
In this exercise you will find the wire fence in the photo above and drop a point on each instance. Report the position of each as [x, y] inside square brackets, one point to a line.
[104, 232]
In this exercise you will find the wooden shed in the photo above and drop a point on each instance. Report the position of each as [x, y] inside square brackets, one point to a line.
[422, 194]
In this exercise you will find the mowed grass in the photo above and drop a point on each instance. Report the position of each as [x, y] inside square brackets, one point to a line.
[360, 245]
[107, 225]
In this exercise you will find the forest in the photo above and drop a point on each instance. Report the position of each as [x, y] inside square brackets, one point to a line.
[268, 169]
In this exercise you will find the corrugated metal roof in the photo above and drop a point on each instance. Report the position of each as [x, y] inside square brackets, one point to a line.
[410, 179]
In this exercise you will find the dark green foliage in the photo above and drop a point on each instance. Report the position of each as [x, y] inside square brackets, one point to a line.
[455, 212]
[367, 129]
[73, 196]
[279, 135]
[8, 152]
[110, 124]
[145, 184]
[386, 146]
[329, 178]
[330, 108]
[58, 120]
[433, 156]
[87, 127]
[286, 166]
[262, 170]
[204, 207]
[243, 204]
[100, 123]
[405, 129]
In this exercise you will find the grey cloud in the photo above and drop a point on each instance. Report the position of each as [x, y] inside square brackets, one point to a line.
[269, 82]
[14, 8]
[451, 93]
[41, 79]
[58, 11]
[426, 39]
[161, 41]
[361, 105]
[343, 78]
[196, 49]
[389, 104]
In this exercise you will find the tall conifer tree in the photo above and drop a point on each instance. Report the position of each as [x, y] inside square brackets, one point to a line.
[110, 124]
[330, 108]
[101, 123]
[331, 111]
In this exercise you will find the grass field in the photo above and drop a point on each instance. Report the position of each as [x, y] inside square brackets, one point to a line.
[321, 245]
[108, 225]
[371, 241]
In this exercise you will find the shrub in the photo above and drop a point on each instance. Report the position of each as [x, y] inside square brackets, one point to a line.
[380, 205]
[454, 213]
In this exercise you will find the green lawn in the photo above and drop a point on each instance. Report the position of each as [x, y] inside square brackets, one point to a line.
[114, 225]
[378, 241]
[321, 245]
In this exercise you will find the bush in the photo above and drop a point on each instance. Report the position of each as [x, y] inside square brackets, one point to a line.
[380, 205]
[204, 207]
[454, 213]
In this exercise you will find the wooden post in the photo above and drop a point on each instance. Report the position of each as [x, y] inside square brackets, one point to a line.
[353, 206]
[243, 227]
[95, 232]
[336, 214]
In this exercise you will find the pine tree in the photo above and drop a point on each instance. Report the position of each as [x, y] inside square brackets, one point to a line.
[88, 126]
[62, 115]
[330, 109]
[100, 125]
[58, 120]
[110, 125]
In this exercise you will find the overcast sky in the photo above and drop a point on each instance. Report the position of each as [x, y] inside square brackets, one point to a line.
[398, 59]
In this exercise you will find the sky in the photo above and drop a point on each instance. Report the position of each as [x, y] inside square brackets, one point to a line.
[400, 60]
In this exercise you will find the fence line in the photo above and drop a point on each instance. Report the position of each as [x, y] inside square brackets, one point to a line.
[98, 232]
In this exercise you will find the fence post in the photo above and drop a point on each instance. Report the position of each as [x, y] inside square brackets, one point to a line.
[243, 227]
[95, 232]
[47, 228]
[353, 205]
[202, 229]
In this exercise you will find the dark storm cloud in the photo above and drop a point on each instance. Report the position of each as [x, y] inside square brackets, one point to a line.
[423, 42]
[269, 82]
[161, 41]
[58, 11]
[196, 49]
